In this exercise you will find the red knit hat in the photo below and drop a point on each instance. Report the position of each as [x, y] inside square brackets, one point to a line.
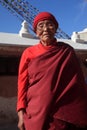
[44, 16]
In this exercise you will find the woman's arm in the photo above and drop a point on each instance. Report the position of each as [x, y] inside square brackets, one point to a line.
[20, 119]
[22, 82]
[22, 90]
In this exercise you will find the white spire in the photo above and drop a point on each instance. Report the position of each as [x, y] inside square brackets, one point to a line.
[24, 32]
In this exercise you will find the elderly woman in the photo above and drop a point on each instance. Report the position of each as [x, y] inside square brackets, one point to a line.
[52, 94]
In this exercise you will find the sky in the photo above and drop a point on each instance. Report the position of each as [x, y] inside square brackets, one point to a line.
[71, 15]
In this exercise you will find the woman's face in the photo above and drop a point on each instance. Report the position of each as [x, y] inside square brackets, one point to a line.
[45, 31]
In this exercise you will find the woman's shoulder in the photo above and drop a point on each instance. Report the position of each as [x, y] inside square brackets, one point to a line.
[29, 52]
[65, 45]
[30, 48]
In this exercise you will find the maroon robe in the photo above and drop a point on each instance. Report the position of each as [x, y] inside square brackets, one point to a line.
[56, 90]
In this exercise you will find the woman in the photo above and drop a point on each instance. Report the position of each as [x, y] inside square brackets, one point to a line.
[51, 89]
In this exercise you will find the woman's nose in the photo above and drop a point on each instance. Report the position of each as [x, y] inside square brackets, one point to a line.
[45, 27]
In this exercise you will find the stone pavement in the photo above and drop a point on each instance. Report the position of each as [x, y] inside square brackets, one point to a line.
[8, 115]
[9, 127]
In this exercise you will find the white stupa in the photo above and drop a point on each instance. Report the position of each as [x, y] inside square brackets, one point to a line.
[80, 37]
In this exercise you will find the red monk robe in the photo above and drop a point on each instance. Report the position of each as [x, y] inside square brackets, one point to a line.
[51, 87]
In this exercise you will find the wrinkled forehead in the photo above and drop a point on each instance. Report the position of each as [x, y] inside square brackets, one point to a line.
[45, 22]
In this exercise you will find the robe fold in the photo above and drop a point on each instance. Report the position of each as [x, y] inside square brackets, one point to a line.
[56, 90]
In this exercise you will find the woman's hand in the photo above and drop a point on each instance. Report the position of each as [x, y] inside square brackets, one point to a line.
[21, 120]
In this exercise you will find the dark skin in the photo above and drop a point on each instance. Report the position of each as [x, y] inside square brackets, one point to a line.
[45, 30]
[21, 121]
